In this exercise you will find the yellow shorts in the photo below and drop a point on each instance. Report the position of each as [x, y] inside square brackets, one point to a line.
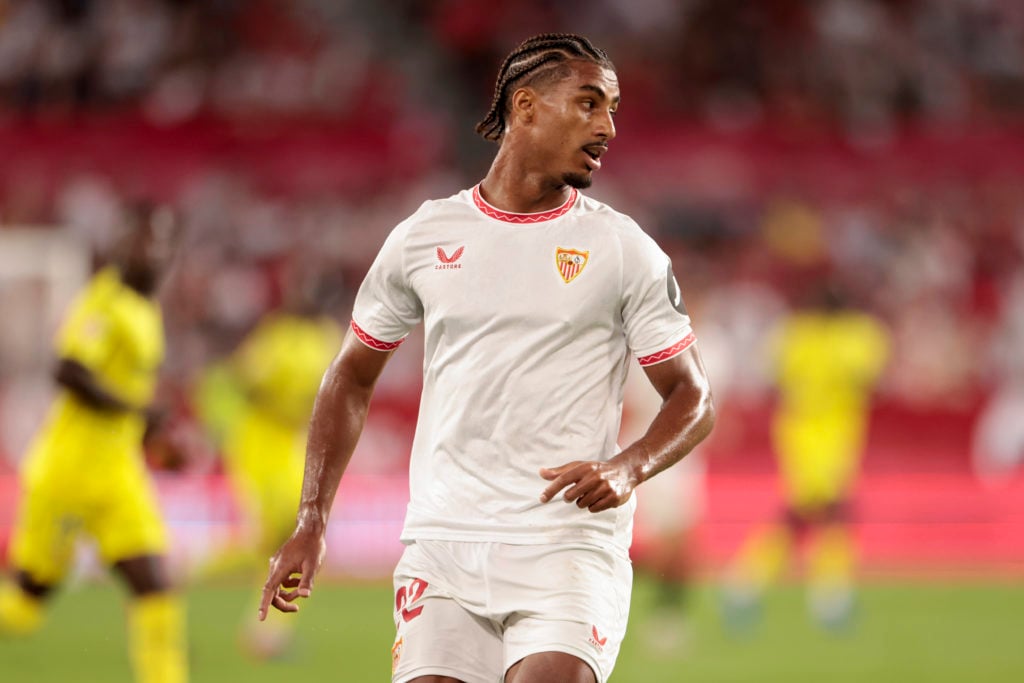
[124, 520]
[818, 459]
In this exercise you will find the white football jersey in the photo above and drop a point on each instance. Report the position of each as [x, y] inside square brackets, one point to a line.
[529, 322]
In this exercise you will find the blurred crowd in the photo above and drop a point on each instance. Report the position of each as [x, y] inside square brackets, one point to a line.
[861, 63]
[296, 134]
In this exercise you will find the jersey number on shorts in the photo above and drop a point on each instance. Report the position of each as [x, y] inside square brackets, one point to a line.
[407, 596]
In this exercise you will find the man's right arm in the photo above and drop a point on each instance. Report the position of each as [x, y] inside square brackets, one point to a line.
[82, 382]
[339, 415]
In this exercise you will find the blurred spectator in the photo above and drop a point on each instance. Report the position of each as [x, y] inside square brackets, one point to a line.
[867, 64]
[998, 440]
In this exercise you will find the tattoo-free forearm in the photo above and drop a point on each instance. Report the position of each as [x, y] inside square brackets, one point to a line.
[686, 417]
[675, 431]
[339, 415]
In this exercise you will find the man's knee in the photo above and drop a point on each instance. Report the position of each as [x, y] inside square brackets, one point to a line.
[145, 574]
[28, 584]
[550, 667]
[21, 605]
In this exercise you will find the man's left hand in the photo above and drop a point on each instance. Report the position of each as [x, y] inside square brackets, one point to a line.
[594, 485]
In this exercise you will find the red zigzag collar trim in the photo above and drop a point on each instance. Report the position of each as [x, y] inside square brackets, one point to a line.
[522, 218]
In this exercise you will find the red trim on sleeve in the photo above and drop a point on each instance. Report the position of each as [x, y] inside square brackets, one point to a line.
[671, 351]
[509, 217]
[373, 342]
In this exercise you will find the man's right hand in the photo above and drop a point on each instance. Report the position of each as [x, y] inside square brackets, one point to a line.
[292, 570]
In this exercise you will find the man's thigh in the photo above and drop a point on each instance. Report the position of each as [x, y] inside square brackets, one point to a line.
[44, 536]
[435, 636]
[472, 611]
[440, 627]
[569, 600]
[553, 667]
[128, 523]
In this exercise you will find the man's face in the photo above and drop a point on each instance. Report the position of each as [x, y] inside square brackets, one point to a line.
[163, 240]
[151, 248]
[575, 123]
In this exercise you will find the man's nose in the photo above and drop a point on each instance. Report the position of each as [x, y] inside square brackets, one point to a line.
[606, 126]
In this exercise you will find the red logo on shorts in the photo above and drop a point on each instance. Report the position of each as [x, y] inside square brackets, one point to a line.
[596, 640]
[448, 262]
[406, 596]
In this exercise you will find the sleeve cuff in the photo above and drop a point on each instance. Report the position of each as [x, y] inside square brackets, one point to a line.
[372, 341]
[669, 352]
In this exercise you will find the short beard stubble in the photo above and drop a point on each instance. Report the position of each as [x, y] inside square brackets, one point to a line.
[580, 181]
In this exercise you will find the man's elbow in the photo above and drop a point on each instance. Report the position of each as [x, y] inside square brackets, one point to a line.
[708, 414]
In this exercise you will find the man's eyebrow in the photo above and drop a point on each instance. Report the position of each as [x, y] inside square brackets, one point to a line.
[599, 92]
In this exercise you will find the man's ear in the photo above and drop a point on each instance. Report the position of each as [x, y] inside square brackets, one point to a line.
[524, 102]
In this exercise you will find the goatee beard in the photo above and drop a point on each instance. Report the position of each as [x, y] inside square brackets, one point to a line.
[580, 181]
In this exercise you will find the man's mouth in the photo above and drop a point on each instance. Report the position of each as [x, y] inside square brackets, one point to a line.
[595, 151]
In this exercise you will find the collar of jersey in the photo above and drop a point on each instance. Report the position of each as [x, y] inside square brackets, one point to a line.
[522, 218]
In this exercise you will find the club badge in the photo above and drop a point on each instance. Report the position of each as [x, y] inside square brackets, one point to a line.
[396, 654]
[570, 262]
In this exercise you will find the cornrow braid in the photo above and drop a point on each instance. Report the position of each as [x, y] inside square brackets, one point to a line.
[533, 58]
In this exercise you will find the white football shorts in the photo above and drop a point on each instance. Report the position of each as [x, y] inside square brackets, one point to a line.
[470, 610]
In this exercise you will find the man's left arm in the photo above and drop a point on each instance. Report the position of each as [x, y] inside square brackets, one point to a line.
[687, 415]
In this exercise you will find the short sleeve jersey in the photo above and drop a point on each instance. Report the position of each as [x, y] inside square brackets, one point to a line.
[529, 323]
[282, 361]
[118, 335]
[828, 363]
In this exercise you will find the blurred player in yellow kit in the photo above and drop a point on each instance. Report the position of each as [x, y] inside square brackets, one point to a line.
[828, 359]
[278, 369]
[85, 471]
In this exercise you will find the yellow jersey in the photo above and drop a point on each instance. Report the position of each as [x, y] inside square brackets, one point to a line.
[829, 363]
[118, 335]
[281, 364]
[827, 367]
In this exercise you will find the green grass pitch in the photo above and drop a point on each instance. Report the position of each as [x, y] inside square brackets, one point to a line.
[905, 631]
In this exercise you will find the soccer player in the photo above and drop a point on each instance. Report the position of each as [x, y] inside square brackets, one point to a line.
[85, 471]
[533, 297]
[279, 367]
[828, 360]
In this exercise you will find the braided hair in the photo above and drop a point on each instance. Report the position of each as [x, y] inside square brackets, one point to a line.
[536, 59]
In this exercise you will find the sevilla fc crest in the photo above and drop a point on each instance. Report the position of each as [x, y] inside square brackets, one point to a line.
[570, 262]
[396, 654]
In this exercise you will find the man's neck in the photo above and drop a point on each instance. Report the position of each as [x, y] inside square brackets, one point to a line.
[513, 188]
[142, 283]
